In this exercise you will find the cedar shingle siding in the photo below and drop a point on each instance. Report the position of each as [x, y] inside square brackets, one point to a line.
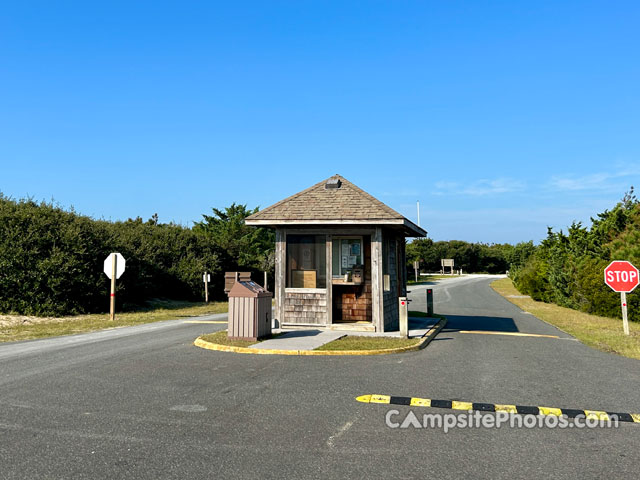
[305, 308]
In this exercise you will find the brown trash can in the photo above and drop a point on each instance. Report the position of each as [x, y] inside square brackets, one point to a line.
[230, 279]
[249, 311]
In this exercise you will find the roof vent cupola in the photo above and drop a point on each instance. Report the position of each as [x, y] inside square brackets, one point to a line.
[333, 182]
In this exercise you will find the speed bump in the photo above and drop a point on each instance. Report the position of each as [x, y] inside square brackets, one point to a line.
[496, 407]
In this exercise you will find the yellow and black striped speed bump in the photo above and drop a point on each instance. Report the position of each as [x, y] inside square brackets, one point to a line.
[496, 407]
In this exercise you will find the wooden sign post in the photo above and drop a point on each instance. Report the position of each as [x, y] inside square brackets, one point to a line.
[113, 268]
[206, 278]
[625, 321]
[112, 304]
[447, 262]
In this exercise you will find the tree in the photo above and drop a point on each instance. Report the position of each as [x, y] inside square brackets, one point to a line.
[567, 268]
[51, 260]
[470, 257]
[240, 246]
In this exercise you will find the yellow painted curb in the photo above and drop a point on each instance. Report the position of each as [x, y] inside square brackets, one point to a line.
[199, 342]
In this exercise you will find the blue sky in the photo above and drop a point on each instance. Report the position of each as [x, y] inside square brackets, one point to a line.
[499, 117]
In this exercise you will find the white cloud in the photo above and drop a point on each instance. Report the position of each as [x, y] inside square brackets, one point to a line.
[602, 181]
[480, 187]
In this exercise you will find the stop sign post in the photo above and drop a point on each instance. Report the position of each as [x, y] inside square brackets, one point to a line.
[622, 277]
[113, 268]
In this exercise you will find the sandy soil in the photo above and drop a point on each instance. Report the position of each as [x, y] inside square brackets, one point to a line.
[15, 320]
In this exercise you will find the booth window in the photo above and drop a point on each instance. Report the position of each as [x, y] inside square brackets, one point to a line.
[306, 261]
[347, 254]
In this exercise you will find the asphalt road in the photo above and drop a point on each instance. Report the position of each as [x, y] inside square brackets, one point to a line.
[143, 402]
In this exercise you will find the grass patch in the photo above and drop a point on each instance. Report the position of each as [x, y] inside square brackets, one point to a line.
[16, 327]
[354, 342]
[602, 333]
[221, 338]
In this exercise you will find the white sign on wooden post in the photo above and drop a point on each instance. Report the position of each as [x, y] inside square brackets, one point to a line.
[206, 278]
[114, 268]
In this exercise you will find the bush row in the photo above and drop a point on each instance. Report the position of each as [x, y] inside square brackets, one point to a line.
[470, 257]
[51, 259]
[568, 269]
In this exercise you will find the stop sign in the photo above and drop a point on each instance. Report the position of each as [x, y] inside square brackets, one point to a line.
[621, 276]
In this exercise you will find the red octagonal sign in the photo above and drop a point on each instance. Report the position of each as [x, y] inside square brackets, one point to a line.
[621, 276]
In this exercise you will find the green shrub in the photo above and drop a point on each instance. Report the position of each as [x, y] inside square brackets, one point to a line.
[470, 257]
[568, 269]
[51, 260]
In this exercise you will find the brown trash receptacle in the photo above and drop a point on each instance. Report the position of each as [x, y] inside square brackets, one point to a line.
[230, 278]
[249, 311]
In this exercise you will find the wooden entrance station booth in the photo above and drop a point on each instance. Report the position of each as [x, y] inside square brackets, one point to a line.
[340, 258]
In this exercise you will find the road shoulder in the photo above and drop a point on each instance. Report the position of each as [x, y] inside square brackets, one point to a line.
[602, 333]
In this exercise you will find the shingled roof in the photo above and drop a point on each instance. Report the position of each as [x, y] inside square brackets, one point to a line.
[335, 201]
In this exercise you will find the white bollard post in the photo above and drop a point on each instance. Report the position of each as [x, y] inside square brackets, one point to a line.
[404, 316]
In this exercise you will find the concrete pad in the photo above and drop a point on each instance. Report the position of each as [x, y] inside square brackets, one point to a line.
[300, 340]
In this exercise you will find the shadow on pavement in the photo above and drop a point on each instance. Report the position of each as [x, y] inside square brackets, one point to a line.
[422, 322]
[456, 323]
[300, 333]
